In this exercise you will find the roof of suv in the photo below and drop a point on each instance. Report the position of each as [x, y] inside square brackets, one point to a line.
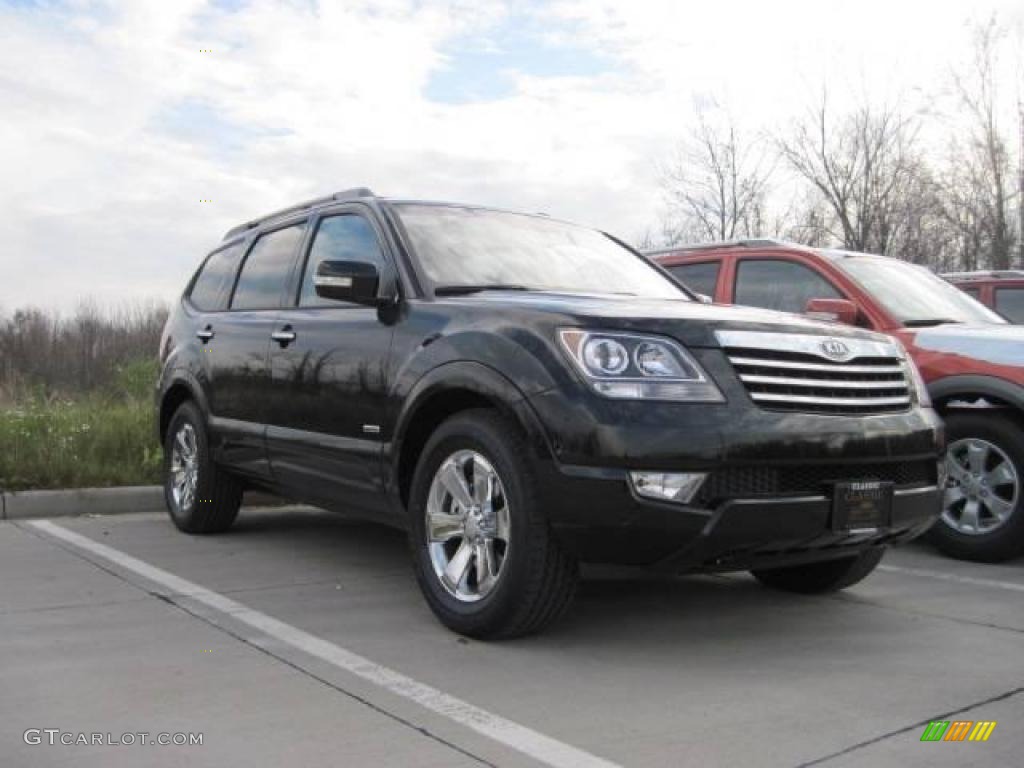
[984, 275]
[762, 242]
[346, 194]
[355, 193]
[833, 254]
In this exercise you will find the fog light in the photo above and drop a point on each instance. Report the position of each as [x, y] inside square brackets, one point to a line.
[679, 487]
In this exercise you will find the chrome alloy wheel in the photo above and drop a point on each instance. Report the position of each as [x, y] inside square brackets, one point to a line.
[983, 487]
[184, 467]
[467, 526]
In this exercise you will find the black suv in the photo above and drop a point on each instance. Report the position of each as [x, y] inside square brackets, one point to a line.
[521, 394]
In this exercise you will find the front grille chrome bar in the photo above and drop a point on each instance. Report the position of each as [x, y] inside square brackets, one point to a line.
[884, 402]
[820, 374]
[785, 381]
[824, 367]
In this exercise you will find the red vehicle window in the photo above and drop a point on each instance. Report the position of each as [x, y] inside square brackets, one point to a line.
[1010, 303]
[700, 276]
[782, 285]
[974, 293]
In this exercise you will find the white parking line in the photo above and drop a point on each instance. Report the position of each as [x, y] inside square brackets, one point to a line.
[536, 745]
[943, 576]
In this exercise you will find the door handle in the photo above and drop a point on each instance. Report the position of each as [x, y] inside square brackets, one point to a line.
[206, 334]
[284, 337]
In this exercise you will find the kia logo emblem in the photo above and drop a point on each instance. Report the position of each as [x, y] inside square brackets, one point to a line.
[835, 349]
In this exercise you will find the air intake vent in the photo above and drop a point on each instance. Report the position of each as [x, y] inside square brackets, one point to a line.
[810, 479]
[818, 374]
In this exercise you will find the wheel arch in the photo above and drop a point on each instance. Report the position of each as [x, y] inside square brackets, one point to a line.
[178, 388]
[962, 393]
[440, 394]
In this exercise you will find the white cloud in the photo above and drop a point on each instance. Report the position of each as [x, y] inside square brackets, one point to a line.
[115, 124]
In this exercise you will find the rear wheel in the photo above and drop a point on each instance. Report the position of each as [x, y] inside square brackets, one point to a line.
[826, 576]
[483, 552]
[982, 517]
[201, 497]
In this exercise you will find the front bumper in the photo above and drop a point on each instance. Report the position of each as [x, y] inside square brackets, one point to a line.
[776, 506]
[600, 519]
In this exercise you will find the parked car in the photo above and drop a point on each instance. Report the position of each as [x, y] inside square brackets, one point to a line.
[971, 359]
[521, 394]
[1001, 290]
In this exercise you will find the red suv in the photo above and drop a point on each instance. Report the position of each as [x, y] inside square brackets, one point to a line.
[1003, 291]
[970, 357]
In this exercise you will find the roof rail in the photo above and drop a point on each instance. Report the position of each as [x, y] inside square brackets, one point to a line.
[755, 242]
[345, 194]
[982, 274]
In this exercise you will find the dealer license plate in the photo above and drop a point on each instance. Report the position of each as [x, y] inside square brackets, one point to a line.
[864, 504]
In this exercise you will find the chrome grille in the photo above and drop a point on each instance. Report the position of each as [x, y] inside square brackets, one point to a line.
[820, 374]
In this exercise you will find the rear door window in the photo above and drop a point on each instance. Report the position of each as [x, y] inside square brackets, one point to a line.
[701, 277]
[267, 268]
[1010, 303]
[782, 285]
[210, 288]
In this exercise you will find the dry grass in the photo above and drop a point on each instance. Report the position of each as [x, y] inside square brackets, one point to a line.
[76, 407]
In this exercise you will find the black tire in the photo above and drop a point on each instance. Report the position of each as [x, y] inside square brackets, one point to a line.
[1006, 541]
[825, 576]
[537, 578]
[218, 495]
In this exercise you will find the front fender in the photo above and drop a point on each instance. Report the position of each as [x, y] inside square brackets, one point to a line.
[468, 376]
[458, 378]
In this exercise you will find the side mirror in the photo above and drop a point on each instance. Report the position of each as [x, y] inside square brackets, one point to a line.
[355, 281]
[703, 298]
[837, 310]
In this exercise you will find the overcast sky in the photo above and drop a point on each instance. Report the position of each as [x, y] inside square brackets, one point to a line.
[119, 120]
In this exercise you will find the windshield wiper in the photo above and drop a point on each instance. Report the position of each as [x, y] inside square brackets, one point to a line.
[928, 322]
[460, 290]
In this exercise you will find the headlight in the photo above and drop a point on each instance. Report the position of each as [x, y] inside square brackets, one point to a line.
[627, 366]
[914, 374]
[606, 356]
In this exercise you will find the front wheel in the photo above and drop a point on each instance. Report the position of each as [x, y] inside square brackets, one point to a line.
[483, 552]
[826, 576]
[983, 509]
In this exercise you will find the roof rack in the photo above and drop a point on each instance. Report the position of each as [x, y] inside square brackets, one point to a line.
[981, 274]
[345, 194]
[757, 242]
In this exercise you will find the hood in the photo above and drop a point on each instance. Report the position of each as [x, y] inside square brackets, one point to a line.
[1001, 345]
[691, 322]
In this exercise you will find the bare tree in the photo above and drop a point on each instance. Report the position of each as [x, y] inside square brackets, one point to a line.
[715, 187]
[961, 203]
[44, 352]
[863, 164]
[980, 189]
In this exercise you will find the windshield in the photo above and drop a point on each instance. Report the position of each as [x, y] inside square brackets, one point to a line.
[913, 294]
[475, 247]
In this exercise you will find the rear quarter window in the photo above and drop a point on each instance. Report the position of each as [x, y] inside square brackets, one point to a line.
[210, 287]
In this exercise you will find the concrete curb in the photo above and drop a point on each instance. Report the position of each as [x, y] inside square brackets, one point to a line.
[21, 505]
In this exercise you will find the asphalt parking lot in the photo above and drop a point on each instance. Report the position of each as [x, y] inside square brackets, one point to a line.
[300, 638]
